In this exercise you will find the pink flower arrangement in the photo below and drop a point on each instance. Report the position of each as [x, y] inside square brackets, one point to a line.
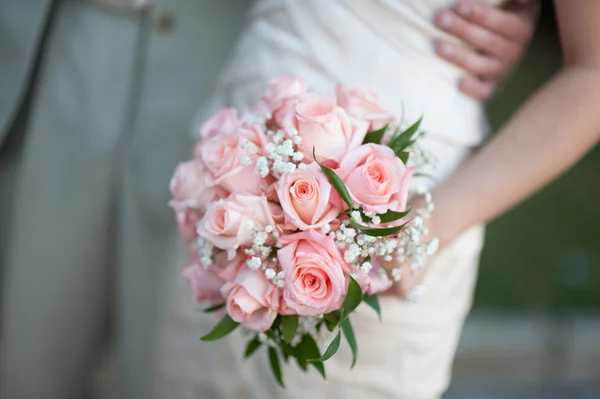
[290, 212]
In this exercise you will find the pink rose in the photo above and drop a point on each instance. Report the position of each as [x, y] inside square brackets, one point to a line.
[186, 224]
[189, 189]
[280, 97]
[376, 178]
[252, 300]
[359, 102]
[205, 285]
[230, 223]
[225, 121]
[325, 126]
[315, 282]
[304, 195]
[226, 156]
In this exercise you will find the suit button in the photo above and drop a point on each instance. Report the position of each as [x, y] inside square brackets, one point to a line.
[165, 21]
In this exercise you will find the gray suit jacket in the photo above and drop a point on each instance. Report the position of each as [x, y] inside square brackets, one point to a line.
[21, 27]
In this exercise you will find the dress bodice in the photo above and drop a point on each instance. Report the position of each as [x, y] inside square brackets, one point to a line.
[386, 45]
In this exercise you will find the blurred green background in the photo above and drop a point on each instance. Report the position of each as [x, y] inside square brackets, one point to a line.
[545, 253]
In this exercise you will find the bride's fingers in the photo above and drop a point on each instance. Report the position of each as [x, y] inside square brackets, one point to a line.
[516, 26]
[407, 282]
[487, 68]
[477, 88]
[481, 39]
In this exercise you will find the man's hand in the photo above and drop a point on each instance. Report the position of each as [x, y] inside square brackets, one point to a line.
[497, 38]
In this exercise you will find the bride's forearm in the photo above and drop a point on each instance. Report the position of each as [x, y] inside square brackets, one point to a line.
[550, 133]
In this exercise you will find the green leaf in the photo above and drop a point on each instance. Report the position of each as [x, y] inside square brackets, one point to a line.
[349, 334]
[335, 181]
[288, 327]
[330, 325]
[332, 319]
[309, 350]
[252, 346]
[375, 136]
[331, 349]
[425, 175]
[353, 296]
[223, 327]
[403, 155]
[214, 308]
[287, 351]
[275, 365]
[373, 302]
[402, 140]
[391, 216]
[377, 231]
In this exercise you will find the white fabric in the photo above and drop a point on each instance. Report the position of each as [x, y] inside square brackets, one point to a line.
[386, 45]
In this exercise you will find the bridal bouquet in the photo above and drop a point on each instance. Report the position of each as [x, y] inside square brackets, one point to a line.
[290, 212]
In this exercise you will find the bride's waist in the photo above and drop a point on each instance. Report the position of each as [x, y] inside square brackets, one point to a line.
[288, 37]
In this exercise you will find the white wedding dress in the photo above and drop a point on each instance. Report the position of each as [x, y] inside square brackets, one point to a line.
[386, 45]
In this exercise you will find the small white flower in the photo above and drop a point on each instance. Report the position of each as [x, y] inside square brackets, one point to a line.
[270, 274]
[325, 229]
[262, 337]
[280, 283]
[356, 216]
[246, 161]
[260, 238]
[366, 267]
[268, 229]
[254, 263]
[376, 220]
[297, 140]
[298, 156]
[270, 147]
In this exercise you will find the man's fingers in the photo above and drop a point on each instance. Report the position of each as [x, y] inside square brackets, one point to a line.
[477, 88]
[514, 26]
[482, 39]
[487, 68]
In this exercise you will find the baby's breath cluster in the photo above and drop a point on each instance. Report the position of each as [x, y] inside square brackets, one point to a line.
[204, 249]
[405, 247]
[262, 254]
[281, 153]
[411, 249]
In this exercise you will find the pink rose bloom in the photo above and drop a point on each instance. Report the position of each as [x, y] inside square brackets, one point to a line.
[186, 224]
[230, 223]
[315, 282]
[205, 285]
[189, 189]
[223, 157]
[252, 300]
[280, 97]
[325, 126]
[359, 102]
[225, 121]
[304, 195]
[376, 178]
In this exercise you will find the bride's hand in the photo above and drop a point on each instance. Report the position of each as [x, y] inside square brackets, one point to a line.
[497, 38]
[410, 279]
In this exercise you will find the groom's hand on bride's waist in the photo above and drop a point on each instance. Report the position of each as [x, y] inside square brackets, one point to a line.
[497, 38]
